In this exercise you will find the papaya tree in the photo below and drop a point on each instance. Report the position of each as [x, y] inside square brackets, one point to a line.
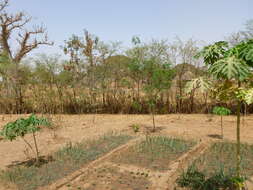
[231, 66]
[19, 128]
[221, 111]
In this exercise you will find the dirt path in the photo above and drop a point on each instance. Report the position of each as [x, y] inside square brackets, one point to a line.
[249, 184]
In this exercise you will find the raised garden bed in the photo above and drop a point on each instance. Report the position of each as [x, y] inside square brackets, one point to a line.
[110, 177]
[221, 155]
[154, 153]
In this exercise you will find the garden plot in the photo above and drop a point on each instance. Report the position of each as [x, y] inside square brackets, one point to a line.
[111, 177]
[62, 163]
[155, 153]
[125, 172]
[216, 168]
[221, 156]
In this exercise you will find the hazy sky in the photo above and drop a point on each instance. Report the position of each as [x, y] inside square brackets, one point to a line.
[119, 20]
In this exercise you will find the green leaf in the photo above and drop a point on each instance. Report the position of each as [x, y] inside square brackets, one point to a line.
[213, 53]
[21, 127]
[221, 111]
[249, 96]
[230, 68]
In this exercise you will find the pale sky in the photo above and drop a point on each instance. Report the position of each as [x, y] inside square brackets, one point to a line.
[118, 20]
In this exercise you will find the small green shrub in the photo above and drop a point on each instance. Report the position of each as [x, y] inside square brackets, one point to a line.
[137, 107]
[192, 179]
[135, 127]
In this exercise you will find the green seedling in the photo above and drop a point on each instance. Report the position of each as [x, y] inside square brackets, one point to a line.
[135, 127]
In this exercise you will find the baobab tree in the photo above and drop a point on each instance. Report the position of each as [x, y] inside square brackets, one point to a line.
[14, 26]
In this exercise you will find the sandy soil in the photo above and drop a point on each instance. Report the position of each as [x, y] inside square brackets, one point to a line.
[77, 127]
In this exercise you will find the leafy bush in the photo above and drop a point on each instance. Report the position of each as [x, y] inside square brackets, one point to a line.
[196, 180]
[192, 179]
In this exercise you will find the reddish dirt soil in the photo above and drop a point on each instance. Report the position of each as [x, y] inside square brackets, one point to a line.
[74, 128]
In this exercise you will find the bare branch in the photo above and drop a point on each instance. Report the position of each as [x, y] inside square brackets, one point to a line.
[3, 5]
[26, 46]
[9, 22]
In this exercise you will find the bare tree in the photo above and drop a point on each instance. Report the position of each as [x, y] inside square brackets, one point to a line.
[27, 40]
[242, 35]
[182, 55]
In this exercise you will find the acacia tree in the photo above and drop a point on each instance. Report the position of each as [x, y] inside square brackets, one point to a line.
[231, 66]
[46, 77]
[86, 54]
[137, 55]
[27, 40]
[158, 78]
[150, 69]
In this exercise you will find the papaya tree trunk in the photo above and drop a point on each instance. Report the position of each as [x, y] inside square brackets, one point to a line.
[221, 124]
[153, 117]
[29, 145]
[238, 147]
[152, 105]
[238, 137]
[36, 147]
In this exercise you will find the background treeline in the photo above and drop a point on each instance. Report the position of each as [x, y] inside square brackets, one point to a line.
[99, 77]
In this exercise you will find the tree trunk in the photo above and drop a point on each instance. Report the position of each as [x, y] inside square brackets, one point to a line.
[221, 127]
[238, 147]
[238, 138]
[153, 117]
[244, 115]
[36, 148]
